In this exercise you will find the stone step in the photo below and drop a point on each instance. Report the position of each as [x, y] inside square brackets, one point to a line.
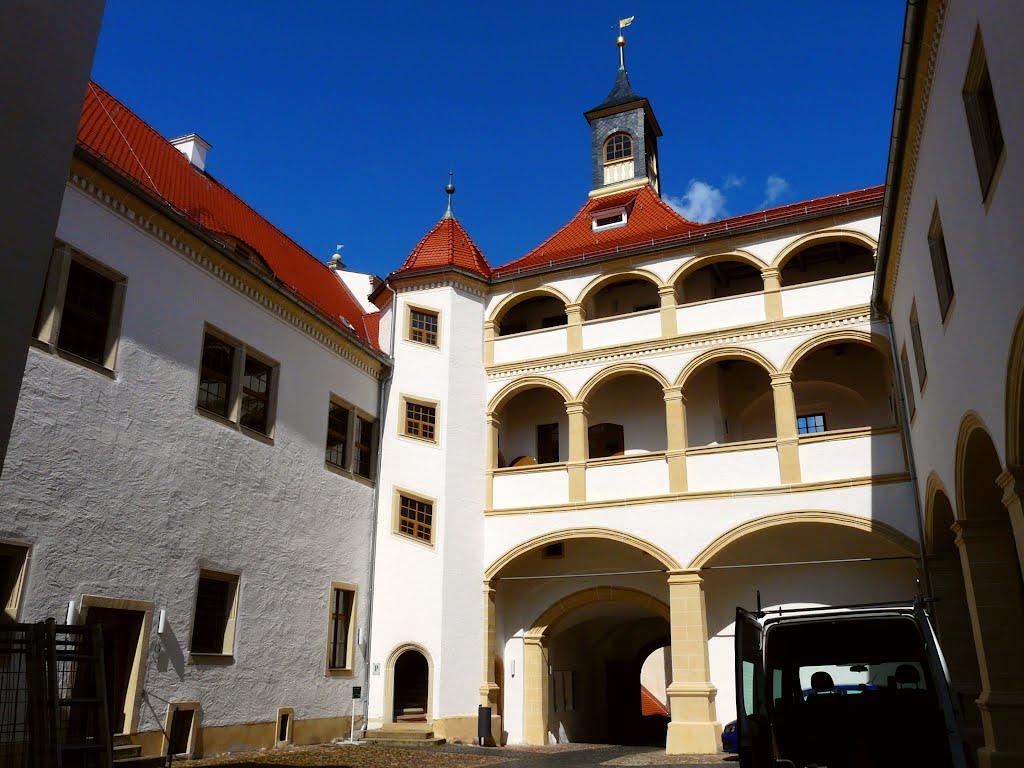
[124, 751]
[122, 739]
[395, 742]
[155, 761]
[401, 733]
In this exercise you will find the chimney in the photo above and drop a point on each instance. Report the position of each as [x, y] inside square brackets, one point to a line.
[194, 147]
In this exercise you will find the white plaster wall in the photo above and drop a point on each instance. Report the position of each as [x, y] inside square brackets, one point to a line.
[853, 457]
[532, 488]
[967, 359]
[827, 295]
[625, 481]
[733, 470]
[125, 491]
[720, 313]
[522, 346]
[624, 329]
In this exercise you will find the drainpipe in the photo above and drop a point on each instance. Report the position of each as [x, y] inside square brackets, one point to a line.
[901, 391]
[382, 410]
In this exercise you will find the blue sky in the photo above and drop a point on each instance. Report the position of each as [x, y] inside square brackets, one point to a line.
[338, 121]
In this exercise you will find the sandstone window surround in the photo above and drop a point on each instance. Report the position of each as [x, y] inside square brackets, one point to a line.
[214, 620]
[341, 628]
[413, 516]
[422, 325]
[419, 418]
[79, 315]
[237, 384]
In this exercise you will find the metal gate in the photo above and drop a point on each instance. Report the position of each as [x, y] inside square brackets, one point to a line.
[53, 698]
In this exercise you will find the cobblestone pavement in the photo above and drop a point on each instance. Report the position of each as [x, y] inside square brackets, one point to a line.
[459, 756]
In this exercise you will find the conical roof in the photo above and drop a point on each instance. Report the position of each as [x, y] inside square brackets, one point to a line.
[447, 245]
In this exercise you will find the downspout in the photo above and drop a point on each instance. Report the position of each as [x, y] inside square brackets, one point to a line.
[382, 410]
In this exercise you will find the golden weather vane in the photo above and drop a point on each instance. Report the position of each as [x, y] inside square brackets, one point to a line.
[621, 42]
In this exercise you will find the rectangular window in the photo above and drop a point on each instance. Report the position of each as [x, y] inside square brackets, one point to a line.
[420, 420]
[915, 338]
[547, 443]
[982, 116]
[808, 425]
[339, 651]
[13, 563]
[337, 434]
[908, 385]
[213, 628]
[415, 518]
[423, 326]
[80, 311]
[236, 383]
[940, 264]
[364, 443]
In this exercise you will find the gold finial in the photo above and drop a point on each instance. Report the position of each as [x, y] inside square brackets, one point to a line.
[621, 42]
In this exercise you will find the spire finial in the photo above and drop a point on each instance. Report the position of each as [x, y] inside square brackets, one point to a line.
[621, 42]
[450, 189]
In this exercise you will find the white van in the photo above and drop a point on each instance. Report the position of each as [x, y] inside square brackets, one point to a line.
[860, 686]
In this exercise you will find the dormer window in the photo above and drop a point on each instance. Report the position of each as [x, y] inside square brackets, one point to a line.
[618, 158]
[618, 147]
[609, 218]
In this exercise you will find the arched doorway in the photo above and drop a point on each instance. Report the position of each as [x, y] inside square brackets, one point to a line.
[410, 686]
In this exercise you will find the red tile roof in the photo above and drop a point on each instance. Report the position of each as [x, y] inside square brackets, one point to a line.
[447, 245]
[112, 133]
[650, 705]
[575, 242]
[648, 218]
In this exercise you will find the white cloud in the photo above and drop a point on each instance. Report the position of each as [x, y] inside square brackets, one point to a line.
[701, 202]
[774, 188]
[732, 181]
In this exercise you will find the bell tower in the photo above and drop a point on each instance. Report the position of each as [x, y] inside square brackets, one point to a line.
[623, 135]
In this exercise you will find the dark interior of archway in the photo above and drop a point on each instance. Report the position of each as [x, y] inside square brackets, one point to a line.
[411, 678]
[621, 297]
[718, 281]
[826, 261]
[983, 498]
[533, 314]
[845, 383]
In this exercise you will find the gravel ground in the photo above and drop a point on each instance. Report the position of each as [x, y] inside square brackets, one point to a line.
[459, 756]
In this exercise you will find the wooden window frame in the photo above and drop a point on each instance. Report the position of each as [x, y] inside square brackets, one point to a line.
[12, 608]
[396, 516]
[908, 387]
[345, 440]
[918, 345]
[608, 142]
[351, 634]
[46, 331]
[349, 467]
[406, 401]
[231, 622]
[240, 353]
[988, 141]
[409, 330]
[940, 265]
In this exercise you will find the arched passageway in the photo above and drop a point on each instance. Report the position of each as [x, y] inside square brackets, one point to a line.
[797, 537]
[843, 385]
[534, 428]
[719, 280]
[729, 401]
[621, 297]
[626, 416]
[826, 261]
[532, 314]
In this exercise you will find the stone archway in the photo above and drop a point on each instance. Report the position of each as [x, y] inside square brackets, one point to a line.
[408, 692]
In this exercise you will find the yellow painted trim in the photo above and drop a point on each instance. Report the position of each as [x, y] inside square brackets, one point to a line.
[350, 643]
[558, 610]
[969, 424]
[404, 399]
[13, 607]
[601, 280]
[616, 370]
[281, 711]
[565, 534]
[792, 324]
[407, 324]
[192, 744]
[869, 525]
[620, 186]
[719, 353]
[526, 382]
[739, 445]
[507, 303]
[876, 341]
[933, 487]
[137, 678]
[531, 468]
[632, 503]
[824, 236]
[396, 504]
[708, 258]
[847, 434]
[226, 655]
[633, 458]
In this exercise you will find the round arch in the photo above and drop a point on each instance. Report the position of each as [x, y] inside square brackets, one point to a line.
[934, 489]
[620, 369]
[601, 281]
[698, 262]
[512, 299]
[884, 530]
[969, 425]
[552, 537]
[876, 341]
[389, 679]
[1015, 397]
[722, 353]
[602, 594]
[821, 237]
[519, 385]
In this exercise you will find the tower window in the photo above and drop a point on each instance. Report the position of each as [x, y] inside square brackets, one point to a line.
[618, 147]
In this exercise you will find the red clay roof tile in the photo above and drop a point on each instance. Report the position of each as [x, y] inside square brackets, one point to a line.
[447, 245]
[111, 132]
